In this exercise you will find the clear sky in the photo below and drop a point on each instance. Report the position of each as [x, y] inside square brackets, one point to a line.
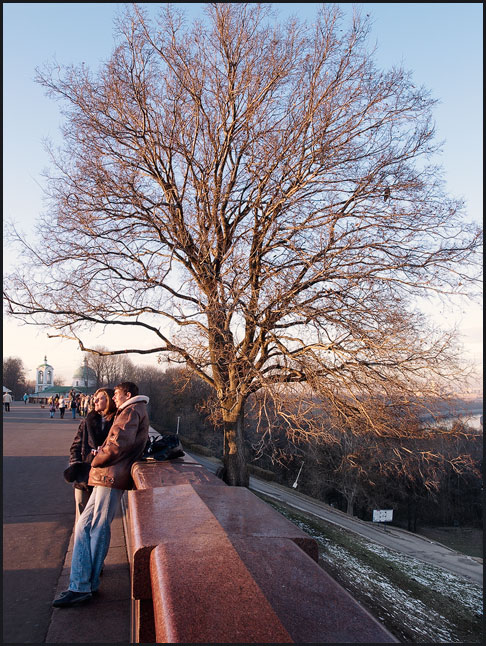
[441, 43]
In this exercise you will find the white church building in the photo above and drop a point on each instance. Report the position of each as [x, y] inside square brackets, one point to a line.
[83, 381]
[44, 376]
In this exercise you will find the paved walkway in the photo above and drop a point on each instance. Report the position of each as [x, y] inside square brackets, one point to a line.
[38, 521]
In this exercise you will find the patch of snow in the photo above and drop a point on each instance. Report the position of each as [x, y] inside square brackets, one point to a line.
[405, 610]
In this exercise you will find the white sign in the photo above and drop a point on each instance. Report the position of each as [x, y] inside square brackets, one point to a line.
[382, 515]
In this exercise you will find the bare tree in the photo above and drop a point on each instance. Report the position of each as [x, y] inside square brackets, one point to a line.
[262, 200]
[97, 364]
[118, 369]
[109, 369]
[14, 376]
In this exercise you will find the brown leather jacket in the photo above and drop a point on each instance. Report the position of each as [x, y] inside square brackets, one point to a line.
[123, 446]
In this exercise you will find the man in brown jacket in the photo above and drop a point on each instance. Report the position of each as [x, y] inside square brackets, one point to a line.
[109, 476]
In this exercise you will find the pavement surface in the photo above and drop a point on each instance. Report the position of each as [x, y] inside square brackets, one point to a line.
[38, 519]
[400, 540]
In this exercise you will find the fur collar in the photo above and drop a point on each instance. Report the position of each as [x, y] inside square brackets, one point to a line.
[143, 399]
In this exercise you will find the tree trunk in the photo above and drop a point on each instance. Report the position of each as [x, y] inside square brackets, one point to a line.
[235, 471]
[350, 506]
[350, 497]
[411, 514]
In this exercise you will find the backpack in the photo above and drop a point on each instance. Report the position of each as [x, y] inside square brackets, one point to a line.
[162, 447]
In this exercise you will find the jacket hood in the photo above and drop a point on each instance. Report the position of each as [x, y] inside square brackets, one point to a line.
[142, 399]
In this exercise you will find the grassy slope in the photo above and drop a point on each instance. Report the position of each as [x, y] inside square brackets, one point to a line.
[468, 540]
[418, 603]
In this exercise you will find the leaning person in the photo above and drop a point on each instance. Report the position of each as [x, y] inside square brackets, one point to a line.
[91, 434]
[109, 476]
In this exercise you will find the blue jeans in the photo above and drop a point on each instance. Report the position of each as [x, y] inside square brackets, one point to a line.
[73, 411]
[92, 538]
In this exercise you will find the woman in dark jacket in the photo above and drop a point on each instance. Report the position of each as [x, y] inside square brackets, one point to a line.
[91, 434]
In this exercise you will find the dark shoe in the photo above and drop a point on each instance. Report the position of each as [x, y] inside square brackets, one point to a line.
[70, 598]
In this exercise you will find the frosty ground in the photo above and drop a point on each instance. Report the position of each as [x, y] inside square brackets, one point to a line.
[417, 602]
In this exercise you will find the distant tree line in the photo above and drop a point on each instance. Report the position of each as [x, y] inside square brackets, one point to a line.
[432, 478]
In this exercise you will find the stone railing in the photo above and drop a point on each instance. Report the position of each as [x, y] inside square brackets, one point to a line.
[215, 564]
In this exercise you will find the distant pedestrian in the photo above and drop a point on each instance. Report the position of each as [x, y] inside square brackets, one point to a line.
[73, 406]
[91, 405]
[62, 406]
[7, 400]
[26, 398]
[52, 408]
[84, 405]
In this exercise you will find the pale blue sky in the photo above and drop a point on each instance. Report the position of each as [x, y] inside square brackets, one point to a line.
[441, 43]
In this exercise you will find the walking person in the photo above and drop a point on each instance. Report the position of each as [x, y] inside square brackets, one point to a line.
[81, 406]
[90, 436]
[25, 398]
[52, 407]
[7, 400]
[109, 476]
[73, 405]
[62, 406]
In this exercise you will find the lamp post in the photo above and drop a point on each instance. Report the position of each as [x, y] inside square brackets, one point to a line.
[297, 478]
